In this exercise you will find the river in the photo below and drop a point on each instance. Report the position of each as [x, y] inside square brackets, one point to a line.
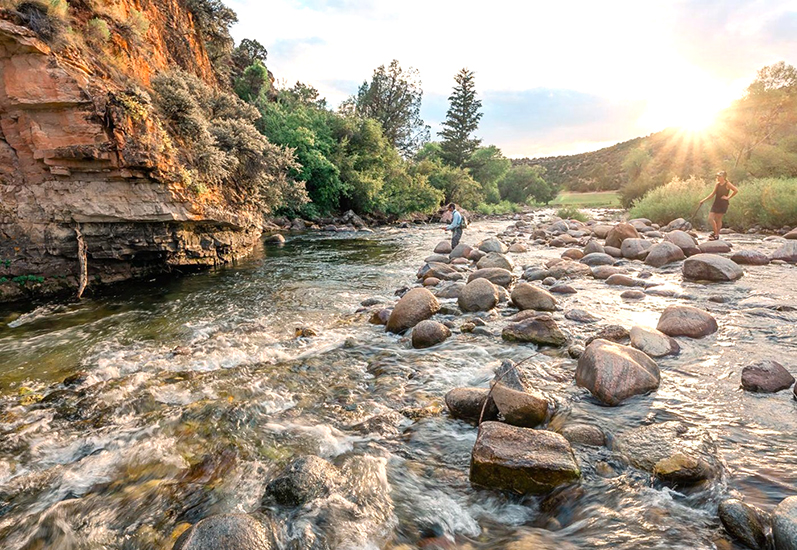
[187, 396]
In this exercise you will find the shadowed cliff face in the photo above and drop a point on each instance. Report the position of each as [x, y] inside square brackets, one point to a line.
[78, 147]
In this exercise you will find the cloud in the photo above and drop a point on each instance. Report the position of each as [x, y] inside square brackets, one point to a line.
[289, 49]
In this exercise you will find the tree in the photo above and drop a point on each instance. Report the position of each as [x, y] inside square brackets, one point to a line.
[247, 53]
[488, 166]
[252, 82]
[456, 184]
[462, 119]
[393, 98]
[524, 182]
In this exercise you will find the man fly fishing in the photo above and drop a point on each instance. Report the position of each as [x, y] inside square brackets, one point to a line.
[455, 226]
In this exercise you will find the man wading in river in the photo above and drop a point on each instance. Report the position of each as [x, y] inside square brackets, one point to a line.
[455, 226]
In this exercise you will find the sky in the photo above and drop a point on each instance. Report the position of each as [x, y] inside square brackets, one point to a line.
[554, 77]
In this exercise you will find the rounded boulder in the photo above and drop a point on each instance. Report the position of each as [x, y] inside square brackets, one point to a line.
[478, 295]
[429, 333]
[527, 296]
[415, 306]
[686, 321]
[710, 267]
[613, 372]
[227, 531]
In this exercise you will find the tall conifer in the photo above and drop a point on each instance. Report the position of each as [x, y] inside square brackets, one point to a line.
[462, 119]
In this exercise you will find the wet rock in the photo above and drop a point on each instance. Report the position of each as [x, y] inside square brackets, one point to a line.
[603, 272]
[475, 255]
[784, 524]
[681, 469]
[495, 259]
[664, 253]
[684, 241]
[710, 267]
[613, 333]
[526, 296]
[518, 248]
[306, 479]
[304, 332]
[584, 434]
[478, 295]
[575, 351]
[449, 289]
[443, 247]
[467, 327]
[750, 257]
[744, 523]
[541, 330]
[525, 408]
[429, 333]
[467, 404]
[581, 316]
[596, 258]
[275, 238]
[618, 279]
[493, 245]
[686, 321]
[786, 253]
[415, 306]
[714, 247]
[369, 302]
[653, 343]
[495, 275]
[766, 377]
[431, 281]
[437, 258]
[563, 289]
[228, 532]
[593, 246]
[573, 254]
[521, 460]
[388, 423]
[635, 249]
[75, 379]
[619, 233]
[460, 251]
[613, 372]
[632, 295]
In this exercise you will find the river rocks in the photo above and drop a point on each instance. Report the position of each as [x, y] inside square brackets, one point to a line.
[584, 434]
[597, 258]
[678, 224]
[573, 254]
[569, 269]
[714, 247]
[787, 253]
[380, 317]
[495, 259]
[415, 306]
[710, 267]
[653, 342]
[495, 275]
[619, 233]
[592, 247]
[743, 522]
[478, 295]
[521, 460]
[601, 230]
[228, 532]
[443, 247]
[460, 251]
[306, 479]
[429, 333]
[613, 333]
[276, 238]
[541, 330]
[682, 469]
[750, 257]
[525, 408]
[438, 271]
[613, 372]
[493, 245]
[613, 251]
[563, 289]
[467, 404]
[632, 295]
[581, 316]
[686, 321]
[635, 249]
[684, 241]
[664, 253]
[518, 248]
[784, 524]
[618, 279]
[766, 377]
[603, 272]
[791, 235]
[526, 296]
[437, 258]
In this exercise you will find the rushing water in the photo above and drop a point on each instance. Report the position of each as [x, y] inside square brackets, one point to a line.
[194, 393]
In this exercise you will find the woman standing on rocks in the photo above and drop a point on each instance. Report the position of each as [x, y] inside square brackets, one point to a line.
[723, 192]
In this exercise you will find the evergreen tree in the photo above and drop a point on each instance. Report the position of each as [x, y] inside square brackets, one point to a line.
[462, 119]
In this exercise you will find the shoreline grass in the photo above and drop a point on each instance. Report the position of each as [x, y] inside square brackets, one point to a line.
[596, 199]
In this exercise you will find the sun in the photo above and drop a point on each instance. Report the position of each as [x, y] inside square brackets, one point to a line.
[693, 111]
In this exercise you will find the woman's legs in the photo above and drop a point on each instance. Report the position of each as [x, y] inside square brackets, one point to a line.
[715, 220]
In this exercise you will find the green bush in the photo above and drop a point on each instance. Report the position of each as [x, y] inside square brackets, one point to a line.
[769, 202]
[571, 213]
[97, 31]
[499, 208]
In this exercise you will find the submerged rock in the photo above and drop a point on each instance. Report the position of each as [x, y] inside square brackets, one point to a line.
[613, 372]
[766, 377]
[584, 434]
[686, 321]
[306, 479]
[521, 460]
[415, 306]
[228, 532]
[581, 316]
[618, 279]
[750, 257]
[429, 333]
[744, 523]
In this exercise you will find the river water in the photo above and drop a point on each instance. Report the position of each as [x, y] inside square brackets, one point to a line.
[193, 393]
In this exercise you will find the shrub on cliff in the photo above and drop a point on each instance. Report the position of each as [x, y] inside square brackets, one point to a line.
[221, 145]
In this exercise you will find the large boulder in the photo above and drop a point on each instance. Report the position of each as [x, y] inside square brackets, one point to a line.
[750, 257]
[635, 249]
[438, 270]
[619, 233]
[527, 296]
[540, 329]
[686, 321]
[521, 460]
[468, 404]
[597, 258]
[306, 479]
[460, 251]
[613, 372]
[601, 230]
[743, 522]
[415, 306]
[653, 343]
[443, 247]
[495, 259]
[710, 267]
[593, 246]
[784, 524]
[525, 407]
[714, 247]
[228, 532]
[786, 253]
[429, 333]
[684, 241]
[495, 275]
[493, 245]
[766, 377]
[664, 253]
[478, 295]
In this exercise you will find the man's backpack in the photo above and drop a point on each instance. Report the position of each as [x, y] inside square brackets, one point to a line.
[464, 223]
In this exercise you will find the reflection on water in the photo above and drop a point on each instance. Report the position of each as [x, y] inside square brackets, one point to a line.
[191, 394]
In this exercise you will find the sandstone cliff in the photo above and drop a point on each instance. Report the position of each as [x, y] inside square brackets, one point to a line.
[80, 151]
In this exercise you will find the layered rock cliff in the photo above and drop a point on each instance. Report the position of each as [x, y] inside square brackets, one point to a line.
[82, 154]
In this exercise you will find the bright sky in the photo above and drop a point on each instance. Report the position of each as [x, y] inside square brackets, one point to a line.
[554, 77]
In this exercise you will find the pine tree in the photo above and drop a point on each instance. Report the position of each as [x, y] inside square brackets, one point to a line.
[462, 119]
